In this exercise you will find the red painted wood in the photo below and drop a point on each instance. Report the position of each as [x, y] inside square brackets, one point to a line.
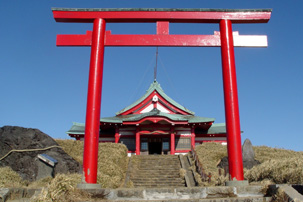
[172, 142]
[154, 120]
[137, 143]
[154, 16]
[193, 136]
[162, 40]
[117, 136]
[182, 151]
[91, 141]
[155, 132]
[162, 27]
[147, 100]
[231, 102]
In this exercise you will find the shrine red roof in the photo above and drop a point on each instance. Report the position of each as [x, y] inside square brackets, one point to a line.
[155, 86]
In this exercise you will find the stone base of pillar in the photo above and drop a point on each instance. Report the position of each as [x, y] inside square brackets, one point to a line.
[236, 183]
[88, 186]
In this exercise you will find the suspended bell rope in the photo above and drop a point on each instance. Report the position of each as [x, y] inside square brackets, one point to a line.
[28, 150]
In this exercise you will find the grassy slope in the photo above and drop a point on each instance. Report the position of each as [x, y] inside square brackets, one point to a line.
[278, 165]
[112, 161]
[112, 165]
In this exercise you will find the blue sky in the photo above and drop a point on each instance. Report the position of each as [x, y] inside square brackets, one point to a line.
[43, 86]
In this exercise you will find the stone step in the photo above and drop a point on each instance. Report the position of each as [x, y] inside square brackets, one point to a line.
[149, 180]
[214, 194]
[159, 186]
[154, 176]
[156, 156]
[154, 166]
[159, 163]
[160, 169]
[157, 171]
[156, 180]
[148, 173]
[141, 184]
[241, 199]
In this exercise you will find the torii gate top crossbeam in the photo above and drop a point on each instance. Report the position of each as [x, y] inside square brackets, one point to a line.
[162, 17]
[161, 14]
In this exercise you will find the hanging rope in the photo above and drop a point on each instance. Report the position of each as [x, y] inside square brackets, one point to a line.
[28, 150]
[156, 66]
[170, 82]
[131, 98]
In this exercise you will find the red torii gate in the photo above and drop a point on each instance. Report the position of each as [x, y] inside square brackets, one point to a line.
[98, 38]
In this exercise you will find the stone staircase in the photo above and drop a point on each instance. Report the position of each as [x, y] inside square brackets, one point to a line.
[156, 171]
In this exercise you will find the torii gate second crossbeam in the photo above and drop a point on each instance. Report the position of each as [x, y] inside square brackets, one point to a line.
[98, 38]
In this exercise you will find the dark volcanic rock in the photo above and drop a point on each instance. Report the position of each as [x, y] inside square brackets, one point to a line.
[25, 163]
[248, 156]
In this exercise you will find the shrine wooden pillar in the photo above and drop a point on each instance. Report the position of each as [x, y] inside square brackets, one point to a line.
[137, 142]
[117, 136]
[231, 101]
[193, 137]
[172, 141]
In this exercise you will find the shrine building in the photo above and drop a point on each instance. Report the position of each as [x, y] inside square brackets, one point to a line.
[156, 124]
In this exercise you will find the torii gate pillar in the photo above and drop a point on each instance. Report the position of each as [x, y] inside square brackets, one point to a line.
[99, 38]
[92, 123]
[231, 101]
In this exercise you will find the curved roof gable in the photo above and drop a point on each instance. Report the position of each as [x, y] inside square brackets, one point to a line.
[156, 113]
[155, 86]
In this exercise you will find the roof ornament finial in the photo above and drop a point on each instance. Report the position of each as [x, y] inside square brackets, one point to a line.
[156, 66]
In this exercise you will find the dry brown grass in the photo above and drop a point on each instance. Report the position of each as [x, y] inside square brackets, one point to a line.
[280, 171]
[62, 188]
[9, 178]
[264, 153]
[112, 161]
[209, 155]
[112, 165]
[73, 148]
[182, 173]
[277, 165]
